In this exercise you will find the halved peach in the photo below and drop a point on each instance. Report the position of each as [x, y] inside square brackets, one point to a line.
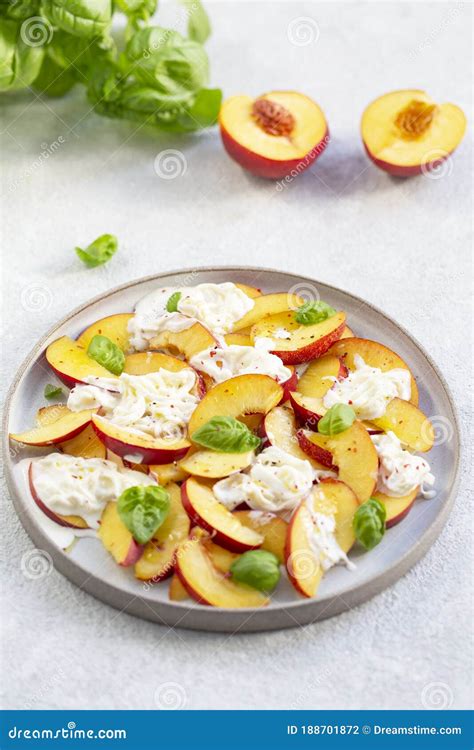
[279, 429]
[86, 445]
[115, 327]
[75, 522]
[408, 423]
[71, 363]
[330, 497]
[213, 465]
[208, 585]
[305, 342]
[270, 526]
[117, 539]
[396, 507]
[205, 511]
[274, 135]
[268, 304]
[143, 363]
[244, 394]
[374, 354]
[125, 444]
[351, 452]
[159, 555]
[406, 133]
[166, 473]
[177, 592]
[68, 425]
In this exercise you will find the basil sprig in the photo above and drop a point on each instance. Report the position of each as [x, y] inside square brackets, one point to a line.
[143, 509]
[226, 435]
[172, 304]
[314, 312]
[337, 419]
[106, 353]
[257, 568]
[98, 252]
[52, 391]
[369, 523]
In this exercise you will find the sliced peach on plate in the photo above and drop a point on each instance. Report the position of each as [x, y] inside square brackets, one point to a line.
[275, 134]
[133, 446]
[144, 363]
[406, 133]
[68, 425]
[374, 354]
[212, 465]
[347, 333]
[185, 343]
[270, 526]
[408, 423]
[86, 445]
[177, 592]
[305, 342]
[317, 378]
[159, 555]
[208, 513]
[75, 522]
[279, 429]
[117, 539]
[166, 473]
[250, 291]
[351, 452]
[268, 304]
[71, 363]
[115, 327]
[48, 414]
[208, 585]
[396, 507]
[221, 558]
[238, 339]
[244, 394]
[330, 497]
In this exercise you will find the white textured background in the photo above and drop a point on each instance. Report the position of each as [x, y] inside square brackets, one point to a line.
[403, 245]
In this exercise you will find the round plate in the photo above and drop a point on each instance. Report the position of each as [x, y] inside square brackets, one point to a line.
[89, 566]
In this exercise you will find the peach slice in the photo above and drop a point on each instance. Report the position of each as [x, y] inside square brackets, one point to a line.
[238, 339]
[208, 585]
[250, 291]
[159, 555]
[68, 425]
[306, 342]
[166, 473]
[212, 465]
[275, 135]
[374, 355]
[86, 444]
[71, 362]
[185, 343]
[207, 512]
[330, 497]
[406, 133]
[117, 539]
[48, 414]
[408, 423]
[310, 410]
[177, 592]
[347, 333]
[279, 428]
[351, 452]
[268, 304]
[316, 379]
[244, 394]
[143, 363]
[115, 327]
[126, 444]
[221, 558]
[396, 507]
[272, 527]
[75, 522]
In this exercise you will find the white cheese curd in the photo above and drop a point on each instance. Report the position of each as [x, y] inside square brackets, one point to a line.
[368, 390]
[222, 363]
[157, 405]
[276, 481]
[76, 486]
[321, 530]
[400, 471]
[216, 306]
[282, 333]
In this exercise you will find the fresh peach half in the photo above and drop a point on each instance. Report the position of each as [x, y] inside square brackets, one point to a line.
[304, 343]
[68, 425]
[396, 507]
[351, 452]
[75, 522]
[270, 526]
[115, 327]
[86, 445]
[407, 133]
[159, 555]
[213, 465]
[126, 444]
[408, 423]
[71, 363]
[117, 539]
[274, 135]
[268, 304]
[330, 497]
[279, 429]
[185, 343]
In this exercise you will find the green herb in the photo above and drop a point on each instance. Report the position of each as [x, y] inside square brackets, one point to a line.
[98, 252]
[20, 62]
[106, 353]
[257, 568]
[369, 523]
[337, 419]
[172, 304]
[226, 435]
[199, 27]
[314, 312]
[143, 509]
[52, 391]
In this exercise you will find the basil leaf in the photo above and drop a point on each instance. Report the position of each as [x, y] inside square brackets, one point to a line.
[199, 26]
[369, 523]
[106, 353]
[20, 63]
[138, 9]
[226, 435]
[52, 391]
[86, 18]
[337, 419]
[314, 312]
[54, 80]
[172, 304]
[257, 568]
[143, 509]
[203, 113]
[98, 252]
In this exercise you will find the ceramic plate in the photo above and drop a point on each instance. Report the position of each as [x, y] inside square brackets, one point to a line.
[89, 566]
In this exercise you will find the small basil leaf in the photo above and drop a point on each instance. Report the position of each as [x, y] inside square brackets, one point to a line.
[337, 419]
[314, 312]
[172, 304]
[199, 26]
[226, 435]
[369, 523]
[98, 252]
[257, 568]
[52, 391]
[143, 509]
[85, 18]
[106, 353]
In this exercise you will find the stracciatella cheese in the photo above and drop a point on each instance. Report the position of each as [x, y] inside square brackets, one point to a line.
[224, 362]
[400, 471]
